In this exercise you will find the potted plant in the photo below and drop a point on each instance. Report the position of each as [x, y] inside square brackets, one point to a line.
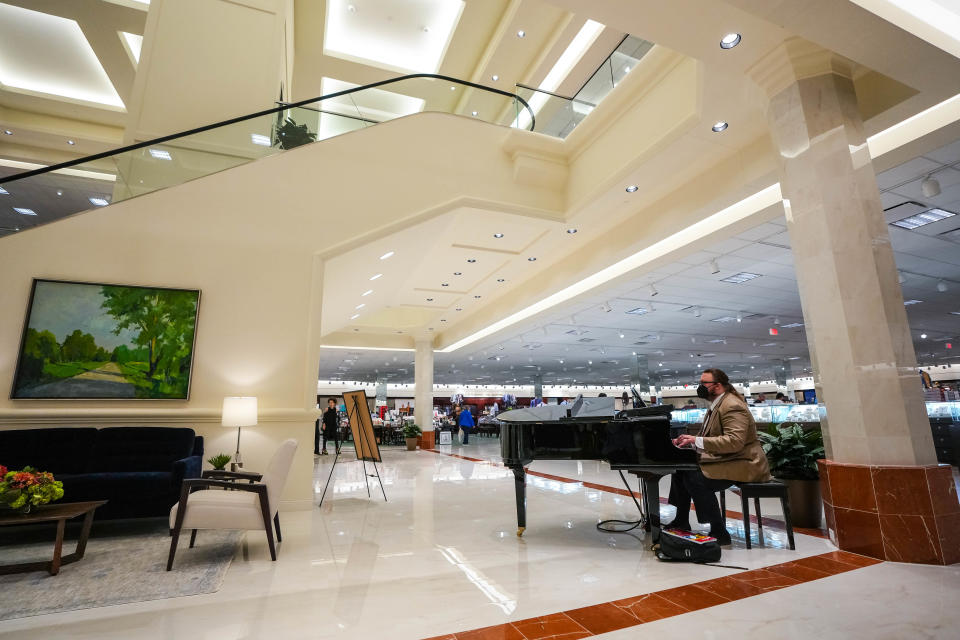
[290, 134]
[219, 461]
[793, 454]
[22, 490]
[410, 433]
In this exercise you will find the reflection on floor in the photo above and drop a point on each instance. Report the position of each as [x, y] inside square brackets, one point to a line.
[441, 558]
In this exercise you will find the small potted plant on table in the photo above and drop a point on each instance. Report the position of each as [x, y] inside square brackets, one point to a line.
[219, 461]
[22, 490]
[410, 434]
[793, 454]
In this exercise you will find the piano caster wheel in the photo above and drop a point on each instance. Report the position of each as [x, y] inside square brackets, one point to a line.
[520, 531]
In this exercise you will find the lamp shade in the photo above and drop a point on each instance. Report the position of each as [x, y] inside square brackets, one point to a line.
[239, 412]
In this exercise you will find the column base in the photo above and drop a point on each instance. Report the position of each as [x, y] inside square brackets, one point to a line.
[427, 440]
[901, 514]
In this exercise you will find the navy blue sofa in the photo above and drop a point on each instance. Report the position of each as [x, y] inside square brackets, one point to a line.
[138, 469]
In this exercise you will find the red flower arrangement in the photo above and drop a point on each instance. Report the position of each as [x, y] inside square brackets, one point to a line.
[28, 487]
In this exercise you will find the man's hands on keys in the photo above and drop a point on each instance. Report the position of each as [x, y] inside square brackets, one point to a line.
[685, 441]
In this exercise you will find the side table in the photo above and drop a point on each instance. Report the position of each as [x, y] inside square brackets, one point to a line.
[58, 513]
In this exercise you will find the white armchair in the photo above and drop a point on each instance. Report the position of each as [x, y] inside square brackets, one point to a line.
[251, 505]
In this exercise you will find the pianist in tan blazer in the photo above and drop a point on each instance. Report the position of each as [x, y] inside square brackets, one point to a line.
[728, 451]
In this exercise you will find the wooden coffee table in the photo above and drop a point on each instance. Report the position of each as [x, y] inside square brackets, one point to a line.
[58, 513]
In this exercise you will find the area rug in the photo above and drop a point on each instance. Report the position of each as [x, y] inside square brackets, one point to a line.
[124, 562]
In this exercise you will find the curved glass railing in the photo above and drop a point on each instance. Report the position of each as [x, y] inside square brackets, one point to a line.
[42, 194]
[558, 115]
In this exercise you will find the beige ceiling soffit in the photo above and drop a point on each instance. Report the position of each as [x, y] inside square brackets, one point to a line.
[712, 224]
[112, 55]
[341, 340]
[60, 126]
[479, 71]
[80, 173]
[795, 59]
[922, 124]
[652, 69]
[942, 34]
[447, 207]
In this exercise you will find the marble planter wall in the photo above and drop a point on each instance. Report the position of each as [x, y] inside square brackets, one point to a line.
[897, 513]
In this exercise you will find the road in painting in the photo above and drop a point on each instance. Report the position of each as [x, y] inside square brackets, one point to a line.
[106, 341]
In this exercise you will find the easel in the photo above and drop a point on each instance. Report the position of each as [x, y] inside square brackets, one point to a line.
[364, 442]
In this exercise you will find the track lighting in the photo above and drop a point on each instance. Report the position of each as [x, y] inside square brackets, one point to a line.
[653, 290]
[739, 317]
[714, 267]
[606, 307]
[941, 286]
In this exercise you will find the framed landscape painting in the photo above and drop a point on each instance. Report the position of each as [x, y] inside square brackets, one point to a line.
[102, 341]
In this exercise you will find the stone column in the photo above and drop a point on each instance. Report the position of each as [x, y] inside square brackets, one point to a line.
[538, 386]
[884, 494]
[423, 391]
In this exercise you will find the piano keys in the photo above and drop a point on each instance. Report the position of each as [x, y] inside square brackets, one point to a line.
[633, 440]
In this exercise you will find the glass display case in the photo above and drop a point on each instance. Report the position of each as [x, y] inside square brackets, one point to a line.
[777, 413]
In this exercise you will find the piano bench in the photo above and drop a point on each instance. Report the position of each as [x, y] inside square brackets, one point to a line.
[757, 490]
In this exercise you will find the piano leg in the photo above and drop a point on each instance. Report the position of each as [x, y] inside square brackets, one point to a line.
[520, 485]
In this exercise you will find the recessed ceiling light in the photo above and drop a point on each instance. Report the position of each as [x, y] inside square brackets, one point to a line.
[459, 309]
[521, 33]
[100, 202]
[59, 192]
[375, 276]
[719, 126]
[426, 29]
[351, 8]
[632, 188]
[445, 284]
[927, 217]
[71, 142]
[729, 41]
[260, 139]
[386, 255]
[498, 235]
[476, 296]
[429, 299]
[739, 278]
[457, 273]
[471, 260]
[366, 293]
[355, 316]
[571, 231]
[923, 336]
[503, 280]
[360, 306]
[24, 211]
[494, 77]
[452, 88]
[7, 132]
[531, 259]
[474, 113]
[907, 303]
[4, 192]
[160, 154]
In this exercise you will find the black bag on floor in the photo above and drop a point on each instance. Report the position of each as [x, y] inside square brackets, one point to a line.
[676, 545]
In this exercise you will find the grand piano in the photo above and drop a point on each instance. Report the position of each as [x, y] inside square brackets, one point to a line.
[634, 440]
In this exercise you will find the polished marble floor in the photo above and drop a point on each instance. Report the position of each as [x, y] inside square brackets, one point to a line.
[441, 558]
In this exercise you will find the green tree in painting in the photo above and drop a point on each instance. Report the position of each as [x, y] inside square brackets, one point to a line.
[79, 347]
[164, 322]
[39, 348]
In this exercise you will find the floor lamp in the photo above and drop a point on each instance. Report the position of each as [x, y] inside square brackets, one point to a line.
[239, 412]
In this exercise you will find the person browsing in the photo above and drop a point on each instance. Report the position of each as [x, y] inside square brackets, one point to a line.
[728, 449]
[466, 423]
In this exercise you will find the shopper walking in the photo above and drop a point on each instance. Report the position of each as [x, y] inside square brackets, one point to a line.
[466, 423]
[331, 426]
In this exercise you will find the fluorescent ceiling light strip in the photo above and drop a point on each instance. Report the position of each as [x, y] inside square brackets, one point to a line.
[916, 126]
[80, 173]
[341, 346]
[734, 213]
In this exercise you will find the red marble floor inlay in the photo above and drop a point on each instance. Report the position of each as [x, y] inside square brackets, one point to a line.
[630, 612]
[557, 626]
